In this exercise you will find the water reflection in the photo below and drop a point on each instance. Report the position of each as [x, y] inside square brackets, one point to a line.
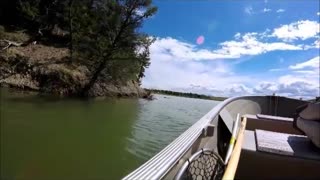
[162, 120]
[54, 138]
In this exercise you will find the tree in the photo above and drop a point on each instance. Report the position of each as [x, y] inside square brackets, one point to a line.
[45, 17]
[112, 35]
[103, 35]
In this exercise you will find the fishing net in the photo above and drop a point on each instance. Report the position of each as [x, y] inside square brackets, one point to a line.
[205, 166]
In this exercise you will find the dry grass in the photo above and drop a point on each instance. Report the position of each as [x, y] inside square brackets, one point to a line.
[39, 52]
[17, 36]
[11, 52]
[77, 74]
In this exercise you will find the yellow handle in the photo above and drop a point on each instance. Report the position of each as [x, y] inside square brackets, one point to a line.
[234, 159]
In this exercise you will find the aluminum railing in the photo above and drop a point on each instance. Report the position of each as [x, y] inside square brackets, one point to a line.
[159, 165]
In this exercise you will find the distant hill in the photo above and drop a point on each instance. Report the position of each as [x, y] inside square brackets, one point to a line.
[183, 94]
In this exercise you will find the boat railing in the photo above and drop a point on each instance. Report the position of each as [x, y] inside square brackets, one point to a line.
[160, 164]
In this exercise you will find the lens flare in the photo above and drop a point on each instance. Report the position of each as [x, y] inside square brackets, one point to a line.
[200, 40]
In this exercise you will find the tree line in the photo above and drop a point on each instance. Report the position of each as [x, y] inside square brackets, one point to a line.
[103, 35]
[183, 94]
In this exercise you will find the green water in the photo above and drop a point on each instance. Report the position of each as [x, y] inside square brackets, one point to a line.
[44, 138]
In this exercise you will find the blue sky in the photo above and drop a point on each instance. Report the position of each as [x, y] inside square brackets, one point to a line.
[250, 47]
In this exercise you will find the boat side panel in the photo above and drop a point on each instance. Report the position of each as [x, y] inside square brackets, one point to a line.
[286, 107]
[260, 165]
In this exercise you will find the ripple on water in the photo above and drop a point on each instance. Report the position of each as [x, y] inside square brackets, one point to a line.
[161, 121]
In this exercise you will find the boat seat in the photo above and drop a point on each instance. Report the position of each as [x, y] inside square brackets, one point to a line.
[271, 123]
[298, 146]
[276, 118]
[249, 141]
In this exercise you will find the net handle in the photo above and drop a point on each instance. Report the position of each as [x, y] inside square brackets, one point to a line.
[235, 156]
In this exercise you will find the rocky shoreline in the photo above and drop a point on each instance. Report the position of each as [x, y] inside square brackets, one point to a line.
[48, 69]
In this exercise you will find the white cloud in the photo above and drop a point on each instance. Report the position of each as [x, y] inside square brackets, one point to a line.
[248, 10]
[298, 30]
[165, 73]
[177, 65]
[316, 43]
[293, 85]
[183, 51]
[312, 63]
[318, 13]
[307, 67]
[280, 10]
[296, 84]
[306, 72]
[276, 69]
[265, 88]
[301, 80]
[237, 36]
[297, 88]
[182, 66]
[238, 89]
[265, 10]
[247, 45]
[207, 79]
[250, 45]
[140, 12]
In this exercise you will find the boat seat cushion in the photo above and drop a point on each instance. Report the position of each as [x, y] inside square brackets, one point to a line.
[307, 120]
[311, 112]
[311, 129]
[286, 144]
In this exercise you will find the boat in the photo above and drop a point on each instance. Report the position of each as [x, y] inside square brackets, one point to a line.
[270, 146]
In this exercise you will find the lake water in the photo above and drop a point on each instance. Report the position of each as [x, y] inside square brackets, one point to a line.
[44, 138]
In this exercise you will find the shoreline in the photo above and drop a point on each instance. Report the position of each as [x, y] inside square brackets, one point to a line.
[47, 69]
[183, 94]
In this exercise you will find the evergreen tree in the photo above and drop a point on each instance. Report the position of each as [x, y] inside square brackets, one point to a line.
[113, 37]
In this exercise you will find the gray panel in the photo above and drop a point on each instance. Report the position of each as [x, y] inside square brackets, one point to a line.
[286, 144]
[227, 119]
[249, 141]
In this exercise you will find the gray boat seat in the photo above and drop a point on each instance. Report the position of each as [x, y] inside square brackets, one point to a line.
[249, 141]
[298, 146]
[271, 123]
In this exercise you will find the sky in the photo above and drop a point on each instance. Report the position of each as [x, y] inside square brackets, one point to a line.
[234, 48]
